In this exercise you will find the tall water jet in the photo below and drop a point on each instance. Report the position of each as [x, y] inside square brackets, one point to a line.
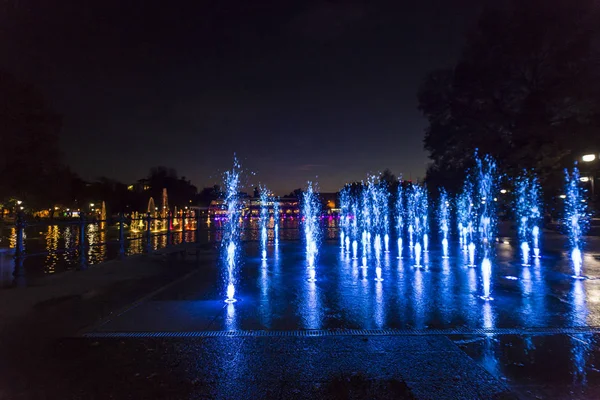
[354, 249]
[536, 241]
[152, 213]
[231, 234]
[443, 216]
[311, 211]
[386, 242]
[486, 178]
[377, 246]
[345, 200]
[400, 216]
[528, 214]
[264, 220]
[276, 220]
[465, 214]
[417, 210]
[575, 218]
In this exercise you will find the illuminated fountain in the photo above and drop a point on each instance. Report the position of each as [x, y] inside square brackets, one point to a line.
[465, 215]
[575, 219]
[444, 220]
[354, 249]
[231, 236]
[152, 214]
[486, 178]
[417, 209]
[528, 215]
[400, 213]
[264, 221]
[345, 199]
[471, 250]
[486, 275]
[377, 247]
[418, 255]
[311, 211]
[276, 221]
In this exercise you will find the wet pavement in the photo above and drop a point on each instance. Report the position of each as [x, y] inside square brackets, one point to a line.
[276, 295]
[421, 333]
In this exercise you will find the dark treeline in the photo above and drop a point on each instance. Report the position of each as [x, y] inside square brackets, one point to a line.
[34, 175]
[526, 90]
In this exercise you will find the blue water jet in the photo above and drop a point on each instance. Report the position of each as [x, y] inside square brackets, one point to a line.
[443, 216]
[311, 212]
[232, 231]
[575, 218]
[528, 214]
[400, 211]
[264, 221]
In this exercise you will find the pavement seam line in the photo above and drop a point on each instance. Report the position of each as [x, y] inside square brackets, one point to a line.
[130, 306]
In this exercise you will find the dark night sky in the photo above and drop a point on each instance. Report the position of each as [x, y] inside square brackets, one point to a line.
[298, 89]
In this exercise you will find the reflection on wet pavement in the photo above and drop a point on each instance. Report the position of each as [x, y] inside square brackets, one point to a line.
[275, 295]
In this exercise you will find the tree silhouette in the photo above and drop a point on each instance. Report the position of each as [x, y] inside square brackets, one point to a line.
[30, 160]
[525, 90]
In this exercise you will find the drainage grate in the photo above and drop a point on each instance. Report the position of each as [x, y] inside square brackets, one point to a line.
[349, 332]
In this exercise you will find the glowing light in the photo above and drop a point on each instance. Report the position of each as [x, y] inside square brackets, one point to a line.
[418, 255]
[584, 179]
[486, 272]
[471, 254]
[230, 294]
[525, 253]
[231, 236]
[588, 158]
[311, 210]
[503, 191]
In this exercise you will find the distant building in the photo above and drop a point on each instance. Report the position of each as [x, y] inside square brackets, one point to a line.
[250, 207]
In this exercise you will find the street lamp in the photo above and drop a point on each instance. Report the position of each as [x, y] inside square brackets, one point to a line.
[588, 158]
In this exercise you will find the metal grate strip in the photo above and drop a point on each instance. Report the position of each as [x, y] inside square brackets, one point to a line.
[350, 332]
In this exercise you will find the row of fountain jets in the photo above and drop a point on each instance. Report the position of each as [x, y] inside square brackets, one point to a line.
[366, 222]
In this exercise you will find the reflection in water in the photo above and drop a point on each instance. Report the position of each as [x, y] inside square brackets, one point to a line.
[265, 304]
[52, 238]
[231, 323]
[379, 306]
[447, 285]
[580, 310]
[419, 306]
[488, 317]
[311, 311]
[580, 348]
